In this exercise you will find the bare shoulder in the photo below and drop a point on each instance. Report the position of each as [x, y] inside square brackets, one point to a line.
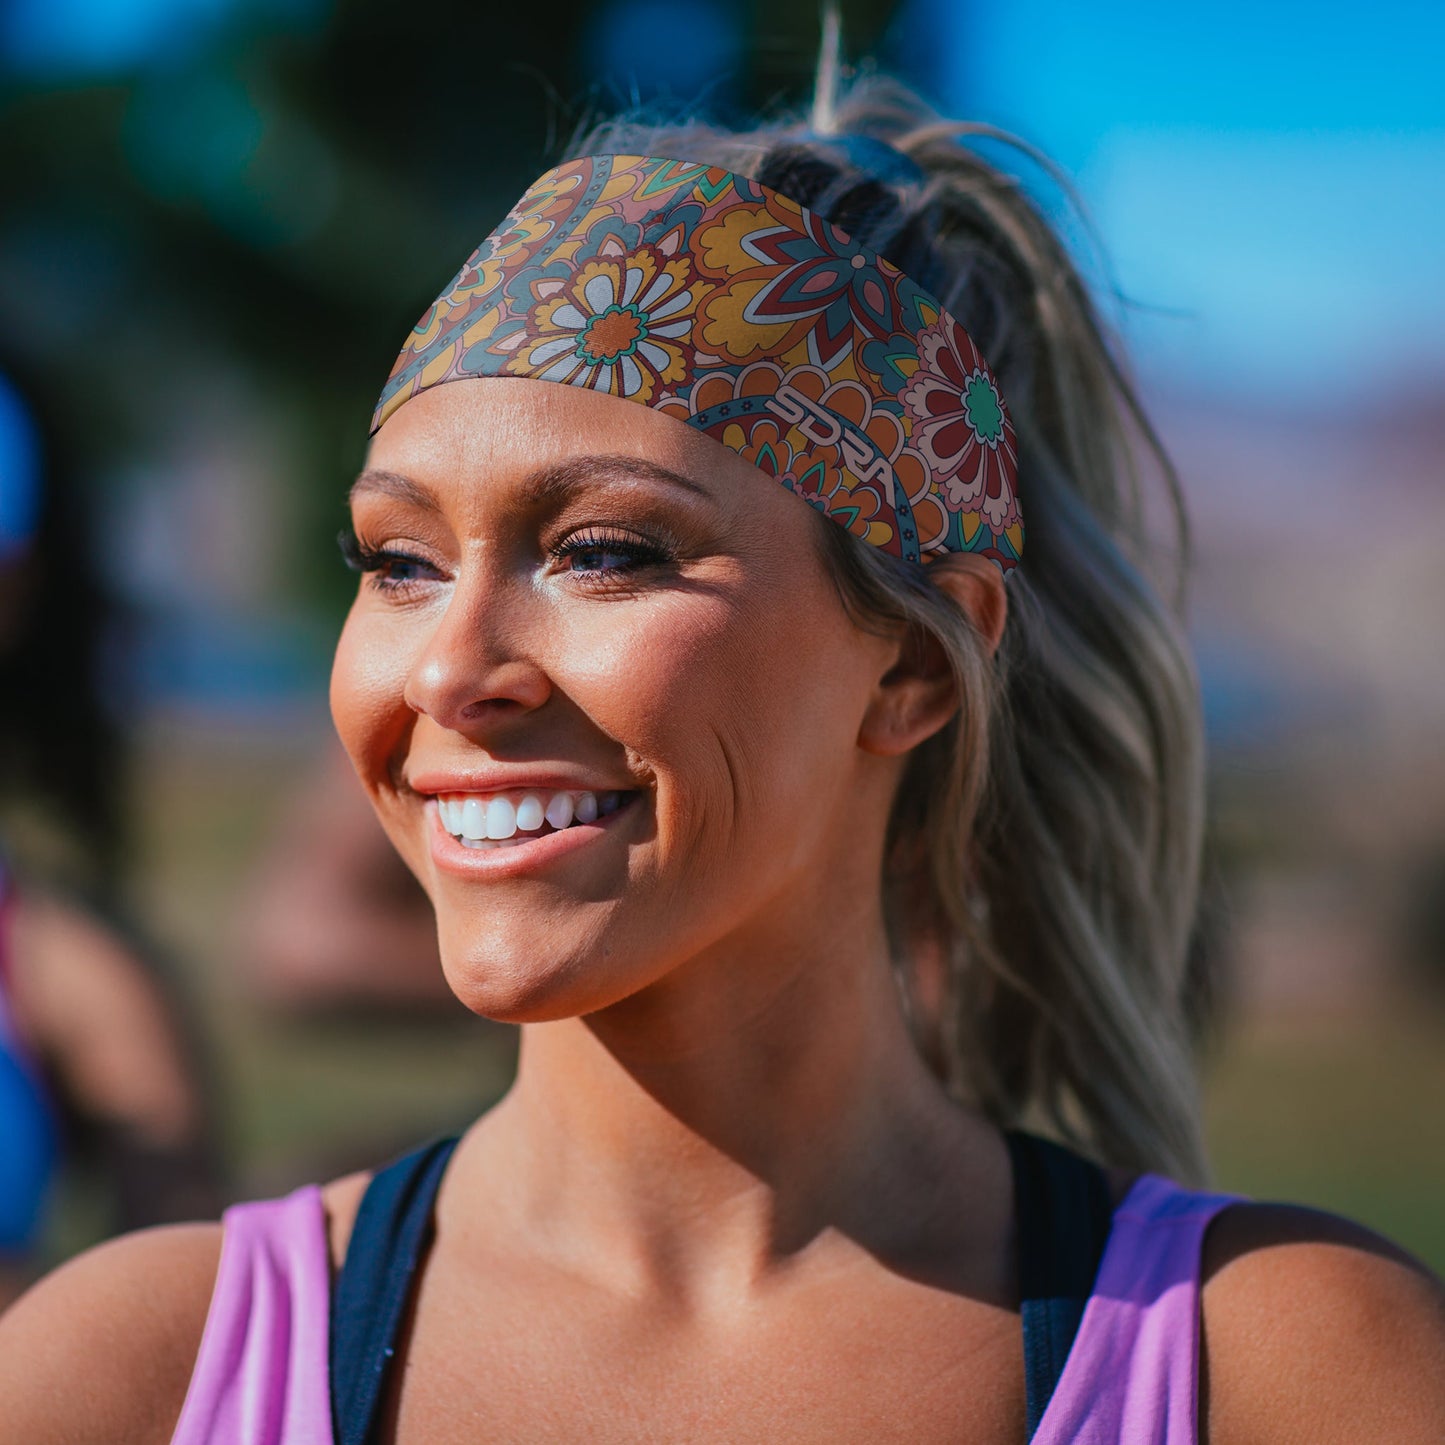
[1316, 1329]
[341, 1199]
[102, 1349]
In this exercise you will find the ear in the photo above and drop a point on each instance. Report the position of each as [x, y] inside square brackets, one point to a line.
[917, 695]
[976, 585]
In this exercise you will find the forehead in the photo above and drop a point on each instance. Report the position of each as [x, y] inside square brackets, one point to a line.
[507, 429]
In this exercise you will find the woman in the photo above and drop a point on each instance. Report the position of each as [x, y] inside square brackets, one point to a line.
[807, 855]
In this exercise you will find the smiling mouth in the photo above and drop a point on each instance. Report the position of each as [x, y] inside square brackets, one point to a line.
[504, 820]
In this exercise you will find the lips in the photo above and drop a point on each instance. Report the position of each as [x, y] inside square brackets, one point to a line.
[523, 850]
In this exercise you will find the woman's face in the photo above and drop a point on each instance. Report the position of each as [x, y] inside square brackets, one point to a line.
[580, 613]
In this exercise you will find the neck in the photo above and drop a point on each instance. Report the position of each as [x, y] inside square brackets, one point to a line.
[685, 1132]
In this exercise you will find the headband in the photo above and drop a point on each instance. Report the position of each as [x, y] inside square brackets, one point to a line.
[714, 299]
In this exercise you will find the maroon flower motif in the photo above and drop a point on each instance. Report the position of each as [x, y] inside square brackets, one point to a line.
[961, 427]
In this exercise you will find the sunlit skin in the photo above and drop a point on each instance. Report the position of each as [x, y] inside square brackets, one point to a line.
[696, 654]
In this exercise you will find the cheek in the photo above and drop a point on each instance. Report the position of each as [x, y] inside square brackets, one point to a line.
[743, 705]
[368, 679]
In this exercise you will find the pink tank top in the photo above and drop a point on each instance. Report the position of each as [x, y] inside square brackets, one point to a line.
[261, 1377]
[1131, 1378]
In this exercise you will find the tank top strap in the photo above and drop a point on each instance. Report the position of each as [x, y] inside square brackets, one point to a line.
[1062, 1215]
[1133, 1373]
[393, 1226]
[261, 1372]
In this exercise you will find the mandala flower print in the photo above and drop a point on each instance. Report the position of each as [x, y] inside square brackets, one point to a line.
[765, 445]
[961, 427]
[618, 326]
[534, 218]
[733, 404]
[789, 277]
[828, 281]
[473, 291]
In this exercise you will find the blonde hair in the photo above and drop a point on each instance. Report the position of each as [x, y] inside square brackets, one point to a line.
[1045, 845]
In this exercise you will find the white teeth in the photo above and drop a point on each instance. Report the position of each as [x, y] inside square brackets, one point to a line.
[495, 821]
[474, 819]
[501, 819]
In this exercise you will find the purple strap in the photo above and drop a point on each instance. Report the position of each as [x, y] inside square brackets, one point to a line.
[1133, 1373]
[261, 1374]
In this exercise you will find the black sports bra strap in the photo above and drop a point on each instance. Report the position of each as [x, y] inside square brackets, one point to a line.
[1063, 1210]
[368, 1300]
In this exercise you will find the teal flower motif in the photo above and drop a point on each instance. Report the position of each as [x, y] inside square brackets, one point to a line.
[983, 408]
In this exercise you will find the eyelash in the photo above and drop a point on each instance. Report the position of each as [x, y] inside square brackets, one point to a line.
[637, 552]
[371, 561]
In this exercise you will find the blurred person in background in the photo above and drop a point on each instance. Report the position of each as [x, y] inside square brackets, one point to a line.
[695, 777]
[333, 920]
[27, 1131]
[96, 1065]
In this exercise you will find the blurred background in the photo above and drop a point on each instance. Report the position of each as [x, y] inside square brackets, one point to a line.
[218, 220]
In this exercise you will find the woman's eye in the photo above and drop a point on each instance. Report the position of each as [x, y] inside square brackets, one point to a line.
[592, 555]
[601, 559]
[395, 568]
[388, 569]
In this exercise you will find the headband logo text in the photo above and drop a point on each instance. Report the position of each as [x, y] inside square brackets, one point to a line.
[819, 426]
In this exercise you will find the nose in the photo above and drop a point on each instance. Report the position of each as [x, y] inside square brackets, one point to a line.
[475, 667]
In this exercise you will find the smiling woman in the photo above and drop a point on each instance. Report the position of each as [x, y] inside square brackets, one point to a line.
[814, 860]
[582, 631]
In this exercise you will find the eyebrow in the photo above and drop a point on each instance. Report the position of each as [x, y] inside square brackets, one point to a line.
[393, 484]
[553, 483]
[547, 484]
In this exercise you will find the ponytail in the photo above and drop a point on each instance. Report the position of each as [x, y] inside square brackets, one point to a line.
[1044, 846]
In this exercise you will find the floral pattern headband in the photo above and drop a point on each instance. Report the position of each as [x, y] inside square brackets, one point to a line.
[715, 300]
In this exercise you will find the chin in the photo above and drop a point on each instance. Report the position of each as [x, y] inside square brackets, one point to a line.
[532, 985]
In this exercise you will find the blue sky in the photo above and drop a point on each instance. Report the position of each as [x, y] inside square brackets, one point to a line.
[1272, 175]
